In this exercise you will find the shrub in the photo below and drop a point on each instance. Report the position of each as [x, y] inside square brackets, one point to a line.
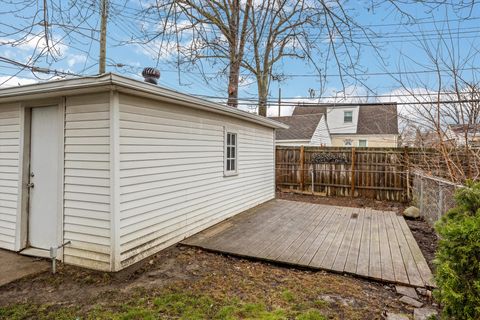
[458, 256]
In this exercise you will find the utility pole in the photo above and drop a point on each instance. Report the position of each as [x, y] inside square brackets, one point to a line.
[279, 100]
[103, 36]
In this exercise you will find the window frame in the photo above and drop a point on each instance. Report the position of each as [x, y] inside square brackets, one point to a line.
[229, 173]
[366, 143]
[351, 116]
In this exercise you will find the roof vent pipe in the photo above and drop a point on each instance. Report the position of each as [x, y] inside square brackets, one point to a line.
[151, 75]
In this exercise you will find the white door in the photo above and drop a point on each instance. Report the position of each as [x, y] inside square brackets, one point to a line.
[43, 206]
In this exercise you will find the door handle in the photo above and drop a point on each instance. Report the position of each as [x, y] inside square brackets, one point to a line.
[30, 185]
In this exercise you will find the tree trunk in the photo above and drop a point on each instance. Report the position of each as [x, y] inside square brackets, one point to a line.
[262, 95]
[233, 79]
[262, 102]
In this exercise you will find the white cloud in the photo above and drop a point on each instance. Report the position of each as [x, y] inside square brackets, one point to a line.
[15, 81]
[37, 42]
[74, 59]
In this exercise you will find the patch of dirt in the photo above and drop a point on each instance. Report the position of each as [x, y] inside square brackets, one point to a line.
[218, 276]
[426, 238]
[344, 201]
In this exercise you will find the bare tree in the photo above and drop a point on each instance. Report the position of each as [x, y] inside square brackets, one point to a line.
[200, 30]
[446, 108]
[255, 37]
[47, 29]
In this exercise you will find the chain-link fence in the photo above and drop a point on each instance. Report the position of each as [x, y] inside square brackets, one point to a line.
[432, 195]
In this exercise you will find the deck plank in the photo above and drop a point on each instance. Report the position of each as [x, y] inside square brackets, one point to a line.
[374, 267]
[364, 252]
[252, 242]
[293, 233]
[306, 248]
[288, 254]
[413, 275]
[332, 251]
[422, 265]
[341, 258]
[354, 250]
[371, 244]
[385, 254]
[318, 240]
[397, 258]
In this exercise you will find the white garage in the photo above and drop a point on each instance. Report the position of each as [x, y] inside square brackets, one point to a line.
[121, 169]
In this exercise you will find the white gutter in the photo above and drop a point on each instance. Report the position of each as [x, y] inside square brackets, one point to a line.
[135, 87]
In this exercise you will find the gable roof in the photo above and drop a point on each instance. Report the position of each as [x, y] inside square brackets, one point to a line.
[111, 81]
[299, 110]
[462, 128]
[377, 119]
[301, 127]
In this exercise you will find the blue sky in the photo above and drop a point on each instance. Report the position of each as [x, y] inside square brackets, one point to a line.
[400, 44]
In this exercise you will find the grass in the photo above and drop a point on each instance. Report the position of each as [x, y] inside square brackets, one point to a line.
[171, 304]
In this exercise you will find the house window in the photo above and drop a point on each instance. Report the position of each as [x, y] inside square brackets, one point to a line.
[362, 143]
[230, 166]
[347, 116]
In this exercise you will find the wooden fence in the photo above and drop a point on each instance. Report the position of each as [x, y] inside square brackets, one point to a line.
[379, 173]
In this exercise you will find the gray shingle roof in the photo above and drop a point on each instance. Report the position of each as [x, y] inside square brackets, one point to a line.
[308, 110]
[377, 119]
[374, 118]
[302, 127]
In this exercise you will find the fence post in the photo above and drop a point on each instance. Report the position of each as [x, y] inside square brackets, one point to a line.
[302, 168]
[421, 196]
[407, 170]
[440, 201]
[352, 173]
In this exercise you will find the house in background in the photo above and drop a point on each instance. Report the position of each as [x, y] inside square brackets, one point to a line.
[464, 134]
[121, 168]
[344, 125]
[307, 130]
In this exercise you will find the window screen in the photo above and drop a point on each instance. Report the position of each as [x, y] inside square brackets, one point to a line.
[231, 153]
[348, 116]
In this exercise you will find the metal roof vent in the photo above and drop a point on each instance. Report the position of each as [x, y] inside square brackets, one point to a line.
[151, 75]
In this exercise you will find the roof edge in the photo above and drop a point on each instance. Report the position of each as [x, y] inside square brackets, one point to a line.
[140, 88]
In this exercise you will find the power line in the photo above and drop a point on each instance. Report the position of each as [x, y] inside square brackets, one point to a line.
[37, 69]
[334, 104]
[414, 22]
[414, 94]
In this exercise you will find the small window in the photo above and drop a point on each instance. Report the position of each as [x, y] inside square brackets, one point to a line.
[362, 143]
[230, 153]
[348, 116]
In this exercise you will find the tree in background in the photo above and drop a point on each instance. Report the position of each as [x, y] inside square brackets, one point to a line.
[444, 108]
[255, 37]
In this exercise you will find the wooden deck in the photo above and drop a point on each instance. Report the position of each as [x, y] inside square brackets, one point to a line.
[364, 242]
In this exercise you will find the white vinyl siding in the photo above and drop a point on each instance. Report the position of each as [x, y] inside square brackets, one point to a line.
[321, 136]
[87, 181]
[9, 173]
[172, 181]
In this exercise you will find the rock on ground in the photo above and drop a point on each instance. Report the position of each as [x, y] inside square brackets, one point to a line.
[412, 302]
[424, 313]
[396, 316]
[407, 291]
[412, 212]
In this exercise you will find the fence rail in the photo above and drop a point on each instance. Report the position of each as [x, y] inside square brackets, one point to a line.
[379, 173]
